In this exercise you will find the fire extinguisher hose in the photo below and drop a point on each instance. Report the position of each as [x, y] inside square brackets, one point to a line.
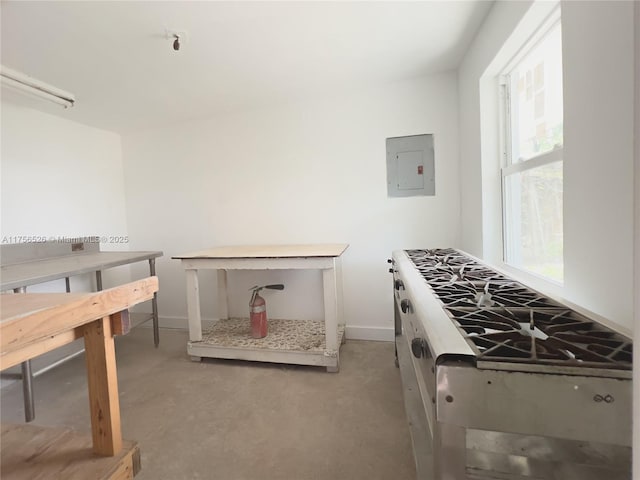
[256, 289]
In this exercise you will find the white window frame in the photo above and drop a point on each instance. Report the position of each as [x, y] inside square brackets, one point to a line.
[508, 166]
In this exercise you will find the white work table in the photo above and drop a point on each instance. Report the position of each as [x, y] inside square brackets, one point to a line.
[303, 342]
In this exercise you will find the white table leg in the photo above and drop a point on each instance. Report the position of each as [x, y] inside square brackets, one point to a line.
[193, 306]
[340, 297]
[331, 318]
[223, 304]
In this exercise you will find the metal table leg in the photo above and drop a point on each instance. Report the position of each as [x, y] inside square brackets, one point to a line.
[99, 280]
[27, 392]
[154, 305]
[27, 382]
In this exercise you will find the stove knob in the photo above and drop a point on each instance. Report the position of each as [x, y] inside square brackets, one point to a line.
[399, 285]
[389, 260]
[405, 306]
[417, 347]
[391, 270]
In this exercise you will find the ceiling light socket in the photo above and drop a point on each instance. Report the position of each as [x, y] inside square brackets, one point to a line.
[173, 33]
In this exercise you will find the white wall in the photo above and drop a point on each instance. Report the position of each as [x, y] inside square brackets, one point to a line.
[598, 187]
[60, 178]
[598, 59]
[497, 26]
[311, 172]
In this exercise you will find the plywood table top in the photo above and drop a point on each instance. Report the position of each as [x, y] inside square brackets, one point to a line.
[26, 318]
[32, 451]
[15, 307]
[269, 251]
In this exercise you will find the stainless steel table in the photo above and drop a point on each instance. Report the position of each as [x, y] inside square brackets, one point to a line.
[28, 264]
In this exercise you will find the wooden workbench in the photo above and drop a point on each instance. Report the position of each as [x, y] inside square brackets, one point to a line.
[26, 264]
[302, 342]
[34, 323]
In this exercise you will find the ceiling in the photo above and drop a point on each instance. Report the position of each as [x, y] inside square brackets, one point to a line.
[116, 59]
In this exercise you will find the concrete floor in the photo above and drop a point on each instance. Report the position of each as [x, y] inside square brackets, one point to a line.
[238, 420]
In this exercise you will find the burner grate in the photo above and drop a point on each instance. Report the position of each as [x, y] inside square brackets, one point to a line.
[438, 257]
[461, 273]
[487, 295]
[505, 322]
[541, 336]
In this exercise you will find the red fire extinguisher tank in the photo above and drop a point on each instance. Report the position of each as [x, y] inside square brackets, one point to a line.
[258, 311]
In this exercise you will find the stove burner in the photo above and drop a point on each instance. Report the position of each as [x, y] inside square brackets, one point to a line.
[504, 321]
[432, 252]
[487, 295]
[438, 257]
[558, 337]
[470, 272]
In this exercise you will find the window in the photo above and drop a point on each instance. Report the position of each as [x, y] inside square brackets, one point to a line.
[531, 92]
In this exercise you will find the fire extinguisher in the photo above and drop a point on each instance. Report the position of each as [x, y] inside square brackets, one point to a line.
[258, 310]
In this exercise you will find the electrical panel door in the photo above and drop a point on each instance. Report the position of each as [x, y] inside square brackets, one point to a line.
[410, 166]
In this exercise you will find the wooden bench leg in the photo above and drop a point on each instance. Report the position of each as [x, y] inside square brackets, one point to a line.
[103, 387]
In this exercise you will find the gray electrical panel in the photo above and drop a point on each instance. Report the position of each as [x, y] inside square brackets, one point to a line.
[410, 166]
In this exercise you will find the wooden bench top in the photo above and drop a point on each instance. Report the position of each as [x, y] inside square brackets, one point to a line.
[31, 452]
[29, 318]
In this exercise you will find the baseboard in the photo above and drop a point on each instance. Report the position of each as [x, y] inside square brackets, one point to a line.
[176, 323]
[353, 332]
[378, 334]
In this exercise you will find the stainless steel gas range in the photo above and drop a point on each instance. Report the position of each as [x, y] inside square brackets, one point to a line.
[503, 382]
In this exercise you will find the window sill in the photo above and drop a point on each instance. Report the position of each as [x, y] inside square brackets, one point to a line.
[543, 284]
